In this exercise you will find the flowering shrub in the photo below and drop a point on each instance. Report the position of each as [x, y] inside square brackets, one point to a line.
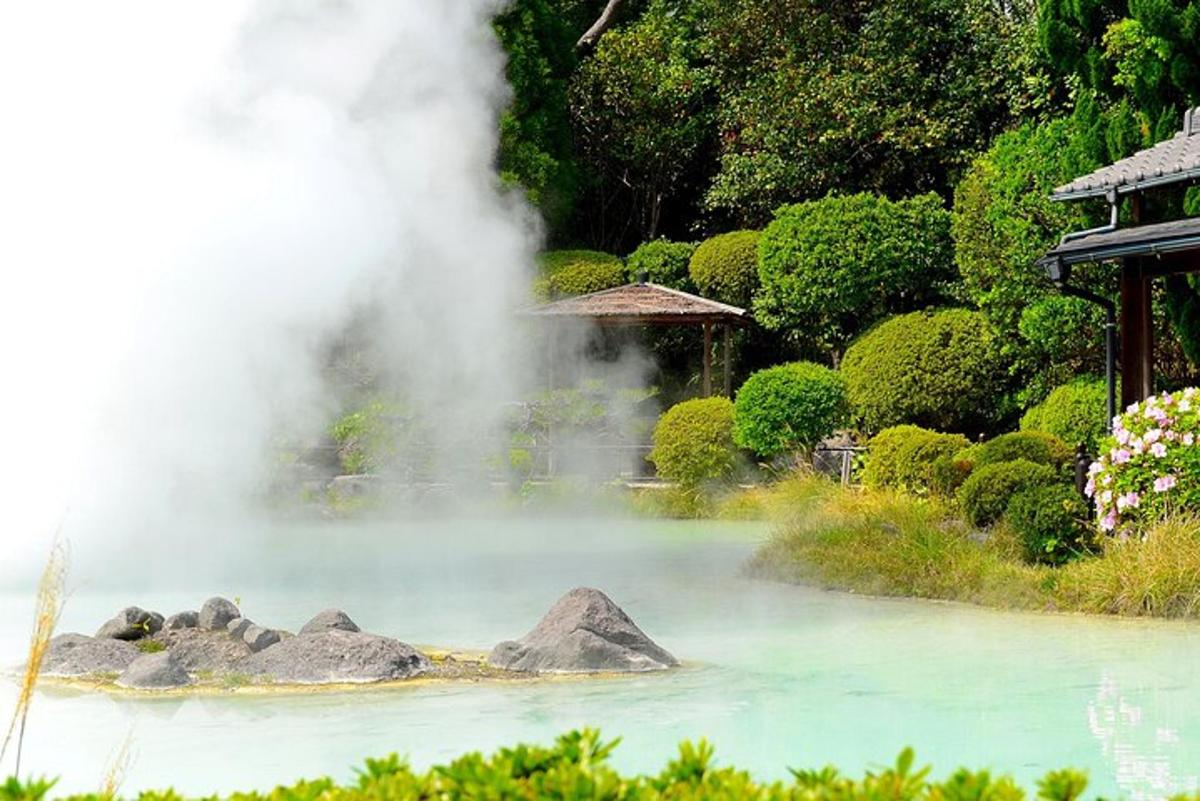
[1151, 463]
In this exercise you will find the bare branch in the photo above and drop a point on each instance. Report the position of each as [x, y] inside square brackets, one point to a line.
[602, 24]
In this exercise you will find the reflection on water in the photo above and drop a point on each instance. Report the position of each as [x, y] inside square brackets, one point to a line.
[777, 676]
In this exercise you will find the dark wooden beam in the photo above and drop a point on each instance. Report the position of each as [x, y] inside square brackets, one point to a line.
[725, 351]
[707, 359]
[1137, 324]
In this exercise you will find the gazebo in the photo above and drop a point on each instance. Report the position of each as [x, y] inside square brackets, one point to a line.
[1145, 251]
[647, 304]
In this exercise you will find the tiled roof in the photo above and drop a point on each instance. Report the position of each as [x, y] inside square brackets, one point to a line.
[642, 304]
[1173, 161]
[1143, 240]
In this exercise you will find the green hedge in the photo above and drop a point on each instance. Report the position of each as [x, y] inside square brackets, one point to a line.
[693, 442]
[577, 767]
[933, 369]
[985, 495]
[789, 407]
[725, 267]
[905, 456]
[664, 262]
[576, 272]
[1051, 522]
[1034, 446]
[1075, 413]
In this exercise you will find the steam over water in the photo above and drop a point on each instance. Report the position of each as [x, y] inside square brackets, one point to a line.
[195, 198]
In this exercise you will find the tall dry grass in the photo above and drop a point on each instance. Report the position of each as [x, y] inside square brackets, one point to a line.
[51, 594]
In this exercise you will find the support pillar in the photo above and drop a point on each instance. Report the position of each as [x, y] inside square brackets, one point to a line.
[707, 360]
[1137, 334]
[725, 351]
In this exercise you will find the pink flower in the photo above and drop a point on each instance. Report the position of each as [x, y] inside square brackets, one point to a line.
[1129, 500]
[1172, 436]
[1153, 435]
[1164, 483]
[1122, 436]
[1120, 456]
[1089, 489]
[1189, 438]
[1109, 521]
[1159, 450]
[1095, 468]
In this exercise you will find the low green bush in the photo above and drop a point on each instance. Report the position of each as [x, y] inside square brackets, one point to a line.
[985, 495]
[950, 471]
[368, 438]
[577, 767]
[663, 262]
[693, 442]
[1051, 523]
[725, 267]
[576, 272]
[937, 370]
[789, 407]
[1075, 413]
[904, 456]
[1033, 446]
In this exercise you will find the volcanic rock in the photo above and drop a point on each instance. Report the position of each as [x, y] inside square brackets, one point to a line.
[182, 620]
[156, 671]
[216, 614]
[237, 627]
[80, 655]
[584, 632]
[258, 638]
[329, 620]
[131, 623]
[199, 650]
[337, 656]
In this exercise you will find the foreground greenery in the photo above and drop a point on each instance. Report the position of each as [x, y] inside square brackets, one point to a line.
[576, 767]
[888, 542]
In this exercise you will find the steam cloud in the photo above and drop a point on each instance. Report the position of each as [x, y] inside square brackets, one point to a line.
[194, 198]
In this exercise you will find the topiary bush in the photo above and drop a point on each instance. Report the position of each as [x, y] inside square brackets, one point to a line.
[950, 471]
[1051, 523]
[1151, 465]
[937, 370]
[1034, 446]
[576, 272]
[904, 456]
[693, 442]
[985, 495]
[663, 262]
[1075, 413]
[789, 407]
[725, 267]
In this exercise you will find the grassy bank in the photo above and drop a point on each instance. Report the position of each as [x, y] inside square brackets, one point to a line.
[576, 767]
[883, 542]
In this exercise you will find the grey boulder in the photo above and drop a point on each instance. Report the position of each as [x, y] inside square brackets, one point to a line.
[237, 627]
[329, 620]
[158, 671]
[337, 656]
[257, 638]
[80, 655]
[182, 620]
[216, 614]
[199, 650]
[584, 632]
[131, 623]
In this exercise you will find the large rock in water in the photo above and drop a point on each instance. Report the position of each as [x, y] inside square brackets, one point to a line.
[159, 671]
[199, 650]
[80, 655]
[336, 656]
[216, 614]
[182, 620]
[585, 632]
[329, 620]
[131, 623]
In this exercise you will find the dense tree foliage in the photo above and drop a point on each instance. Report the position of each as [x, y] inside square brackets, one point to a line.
[725, 267]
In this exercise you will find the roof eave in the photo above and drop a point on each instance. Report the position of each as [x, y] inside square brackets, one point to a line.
[1181, 177]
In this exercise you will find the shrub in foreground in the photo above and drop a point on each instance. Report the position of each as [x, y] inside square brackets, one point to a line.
[693, 442]
[937, 370]
[1051, 523]
[1150, 467]
[1033, 446]
[985, 495]
[725, 267]
[789, 407]
[1075, 413]
[904, 456]
[663, 262]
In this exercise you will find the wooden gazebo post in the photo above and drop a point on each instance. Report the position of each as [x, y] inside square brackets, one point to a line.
[707, 359]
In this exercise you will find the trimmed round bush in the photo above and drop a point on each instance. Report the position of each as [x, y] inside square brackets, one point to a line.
[789, 407]
[1075, 413]
[577, 272]
[937, 370]
[693, 442]
[664, 262]
[949, 472]
[1033, 446]
[725, 268]
[904, 456]
[985, 495]
[1051, 523]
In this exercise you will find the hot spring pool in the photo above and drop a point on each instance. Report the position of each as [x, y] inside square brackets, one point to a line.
[779, 676]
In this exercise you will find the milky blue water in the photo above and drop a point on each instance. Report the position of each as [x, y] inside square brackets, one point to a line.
[776, 675]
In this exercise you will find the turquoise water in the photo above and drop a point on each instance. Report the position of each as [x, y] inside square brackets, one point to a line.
[776, 675]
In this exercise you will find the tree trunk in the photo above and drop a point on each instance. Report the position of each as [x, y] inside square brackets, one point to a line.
[607, 17]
